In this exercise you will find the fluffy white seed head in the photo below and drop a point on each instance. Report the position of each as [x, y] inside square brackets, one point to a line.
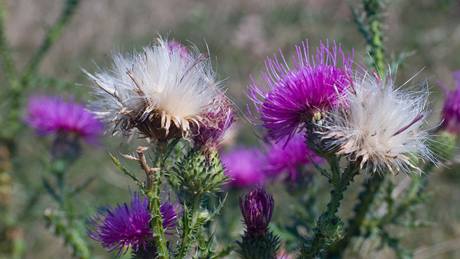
[162, 91]
[379, 126]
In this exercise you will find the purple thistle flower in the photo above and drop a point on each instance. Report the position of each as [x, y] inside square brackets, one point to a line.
[289, 155]
[291, 95]
[244, 167]
[451, 109]
[216, 123]
[257, 210]
[54, 115]
[128, 226]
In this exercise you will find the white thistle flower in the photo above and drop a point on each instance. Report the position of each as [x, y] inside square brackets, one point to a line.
[162, 91]
[380, 126]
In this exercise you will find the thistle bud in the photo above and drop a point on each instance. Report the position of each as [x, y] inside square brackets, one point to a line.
[257, 210]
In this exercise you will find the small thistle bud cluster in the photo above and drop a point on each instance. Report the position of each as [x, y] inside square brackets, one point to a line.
[197, 174]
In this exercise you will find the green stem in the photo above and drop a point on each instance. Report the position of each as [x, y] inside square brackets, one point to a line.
[153, 193]
[328, 226]
[64, 220]
[5, 51]
[366, 198]
[188, 226]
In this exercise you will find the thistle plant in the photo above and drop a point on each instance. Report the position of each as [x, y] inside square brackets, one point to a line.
[168, 96]
[15, 87]
[68, 123]
[326, 121]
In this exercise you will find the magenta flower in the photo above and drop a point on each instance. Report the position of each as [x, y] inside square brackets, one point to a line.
[216, 121]
[292, 94]
[128, 226]
[53, 115]
[244, 167]
[451, 109]
[257, 209]
[289, 155]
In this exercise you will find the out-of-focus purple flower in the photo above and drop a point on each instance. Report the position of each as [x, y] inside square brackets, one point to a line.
[128, 225]
[257, 209]
[451, 109]
[289, 155]
[292, 94]
[244, 167]
[216, 122]
[54, 115]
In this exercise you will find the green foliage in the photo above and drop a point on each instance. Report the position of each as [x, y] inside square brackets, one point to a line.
[71, 233]
[259, 247]
[13, 92]
[197, 174]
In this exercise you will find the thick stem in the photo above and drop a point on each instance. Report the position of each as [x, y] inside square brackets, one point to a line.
[328, 223]
[366, 198]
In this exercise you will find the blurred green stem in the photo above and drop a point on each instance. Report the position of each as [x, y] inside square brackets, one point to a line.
[51, 36]
[64, 220]
[5, 51]
[373, 9]
[370, 26]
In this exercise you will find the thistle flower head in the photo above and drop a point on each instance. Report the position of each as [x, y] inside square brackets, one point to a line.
[451, 109]
[257, 210]
[244, 167]
[128, 225]
[216, 122]
[289, 155]
[161, 92]
[295, 93]
[380, 126]
[54, 115]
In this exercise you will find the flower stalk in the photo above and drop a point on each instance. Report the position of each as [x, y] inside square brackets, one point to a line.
[329, 226]
[152, 190]
[366, 198]
[63, 220]
[189, 221]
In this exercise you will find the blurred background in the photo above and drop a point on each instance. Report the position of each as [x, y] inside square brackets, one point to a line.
[240, 34]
